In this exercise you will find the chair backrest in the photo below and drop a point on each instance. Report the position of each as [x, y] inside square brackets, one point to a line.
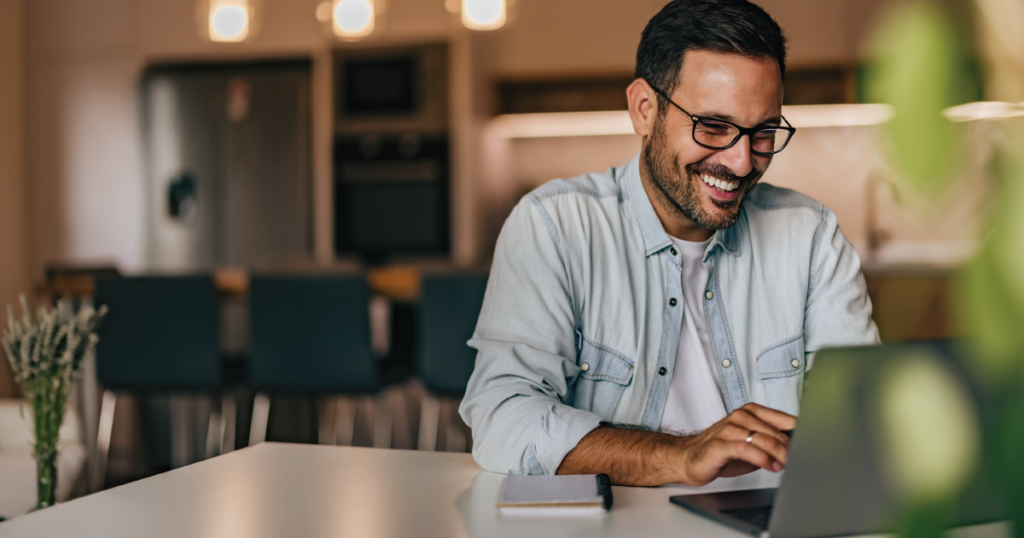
[449, 308]
[159, 333]
[310, 333]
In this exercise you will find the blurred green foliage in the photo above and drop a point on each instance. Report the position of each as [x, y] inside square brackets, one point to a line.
[992, 305]
[931, 429]
[920, 67]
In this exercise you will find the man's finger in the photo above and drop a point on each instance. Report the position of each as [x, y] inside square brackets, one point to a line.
[750, 422]
[744, 451]
[779, 420]
[733, 432]
[737, 468]
[772, 446]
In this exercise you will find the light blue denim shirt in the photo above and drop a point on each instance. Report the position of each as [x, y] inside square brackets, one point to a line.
[578, 325]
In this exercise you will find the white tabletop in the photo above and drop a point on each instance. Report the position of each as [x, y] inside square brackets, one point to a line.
[276, 489]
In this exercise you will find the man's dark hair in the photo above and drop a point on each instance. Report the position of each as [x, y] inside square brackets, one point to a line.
[735, 26]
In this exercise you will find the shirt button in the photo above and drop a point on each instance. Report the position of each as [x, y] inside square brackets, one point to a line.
[726, 363]
[585, 367]
[662, 370]
[673, 251]
[709, 295]
[796, 363]
[672, 301]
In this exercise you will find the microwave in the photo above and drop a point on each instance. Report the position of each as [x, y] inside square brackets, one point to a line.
[393, 90]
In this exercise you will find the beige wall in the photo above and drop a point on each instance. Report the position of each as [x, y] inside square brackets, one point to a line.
[85, 57]
[13, 196]
[583, 36]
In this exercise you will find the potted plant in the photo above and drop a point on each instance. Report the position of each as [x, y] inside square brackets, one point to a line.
[46, 355]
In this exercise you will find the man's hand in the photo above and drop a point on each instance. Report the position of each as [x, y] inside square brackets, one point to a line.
[724, 449]
[643, 458]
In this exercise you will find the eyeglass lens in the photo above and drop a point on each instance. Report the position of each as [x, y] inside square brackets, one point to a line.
[720, 135]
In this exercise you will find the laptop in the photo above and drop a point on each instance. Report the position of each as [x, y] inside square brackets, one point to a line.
[839, 478]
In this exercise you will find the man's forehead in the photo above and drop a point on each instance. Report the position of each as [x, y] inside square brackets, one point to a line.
[709, 66]
[730, 85]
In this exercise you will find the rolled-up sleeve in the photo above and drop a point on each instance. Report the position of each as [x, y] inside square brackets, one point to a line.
[838, 311]
[516, 401]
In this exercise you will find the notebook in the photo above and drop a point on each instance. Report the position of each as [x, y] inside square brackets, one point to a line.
[555, 495]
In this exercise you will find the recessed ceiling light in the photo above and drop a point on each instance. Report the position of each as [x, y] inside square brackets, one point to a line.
[484, 14]
[354, 19]
[229, 21]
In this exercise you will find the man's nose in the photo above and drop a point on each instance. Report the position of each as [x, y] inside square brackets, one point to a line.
[738, 158]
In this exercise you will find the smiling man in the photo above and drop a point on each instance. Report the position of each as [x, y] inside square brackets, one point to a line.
[655, 322]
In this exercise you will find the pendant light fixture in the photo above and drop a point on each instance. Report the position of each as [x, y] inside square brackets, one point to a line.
[228, 21]
[483, 15]
[351, 20]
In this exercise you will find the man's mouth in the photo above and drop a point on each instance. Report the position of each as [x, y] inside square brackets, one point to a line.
[721, 189]
[720, 184]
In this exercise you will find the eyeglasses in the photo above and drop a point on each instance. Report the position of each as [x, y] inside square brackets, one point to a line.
[720, 134]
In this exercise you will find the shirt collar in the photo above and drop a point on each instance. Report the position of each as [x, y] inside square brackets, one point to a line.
[654, 235]
[729, 238]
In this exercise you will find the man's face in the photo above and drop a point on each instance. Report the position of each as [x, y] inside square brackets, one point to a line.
[705, 185]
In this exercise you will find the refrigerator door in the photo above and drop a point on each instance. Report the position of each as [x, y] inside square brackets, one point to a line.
[228, 165]
[183, 164]
[268, 172]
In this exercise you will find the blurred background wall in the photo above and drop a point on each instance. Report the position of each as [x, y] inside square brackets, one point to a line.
[85, 60]
[14, 237]
[77, 156]
[72, 188]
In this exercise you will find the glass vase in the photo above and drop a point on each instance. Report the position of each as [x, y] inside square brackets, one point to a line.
[46, 481]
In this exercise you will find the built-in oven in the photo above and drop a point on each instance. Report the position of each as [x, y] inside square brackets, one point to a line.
[391, 152]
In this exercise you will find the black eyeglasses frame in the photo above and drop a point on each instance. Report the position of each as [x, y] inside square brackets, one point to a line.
[749, 131]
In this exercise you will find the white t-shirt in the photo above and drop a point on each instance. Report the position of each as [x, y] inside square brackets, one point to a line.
[695, 394]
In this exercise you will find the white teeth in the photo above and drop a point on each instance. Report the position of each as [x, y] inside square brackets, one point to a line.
[720, 184]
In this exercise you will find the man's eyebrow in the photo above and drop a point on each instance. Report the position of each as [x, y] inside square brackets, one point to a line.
[773, 121]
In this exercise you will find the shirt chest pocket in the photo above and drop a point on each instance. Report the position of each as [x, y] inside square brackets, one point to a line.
[780, 368]
[604, 373]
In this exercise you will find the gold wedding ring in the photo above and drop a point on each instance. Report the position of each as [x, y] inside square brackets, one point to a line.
[750, 438]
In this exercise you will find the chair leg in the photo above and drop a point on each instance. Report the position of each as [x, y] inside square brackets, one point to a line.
[104, 430]
[328, 424]
[430, 415]
[214, 431]
[229, 418]
[345, 421]
[182, 438]
[455, 437]
[260, 417]
[382, 422]
[401, 428]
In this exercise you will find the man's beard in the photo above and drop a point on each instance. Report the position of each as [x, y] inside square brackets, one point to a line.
[679, 188]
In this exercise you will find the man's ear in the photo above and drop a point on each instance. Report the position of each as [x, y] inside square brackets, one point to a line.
[643, 106]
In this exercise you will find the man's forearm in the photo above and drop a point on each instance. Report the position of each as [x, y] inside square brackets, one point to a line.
[629, 457]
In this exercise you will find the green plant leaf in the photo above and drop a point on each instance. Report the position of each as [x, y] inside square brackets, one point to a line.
[920, 71]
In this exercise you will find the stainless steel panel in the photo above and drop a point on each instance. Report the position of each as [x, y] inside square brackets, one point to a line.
[268, 171]
[182, 140]
[238, 136]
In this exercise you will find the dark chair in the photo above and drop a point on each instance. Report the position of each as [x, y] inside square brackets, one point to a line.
[449, 308]
[310, 335]
[160, 334]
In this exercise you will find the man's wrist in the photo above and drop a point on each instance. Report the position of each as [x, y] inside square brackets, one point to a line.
[671, 458]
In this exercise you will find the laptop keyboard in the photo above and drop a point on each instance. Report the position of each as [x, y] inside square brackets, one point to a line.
[757, 517]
